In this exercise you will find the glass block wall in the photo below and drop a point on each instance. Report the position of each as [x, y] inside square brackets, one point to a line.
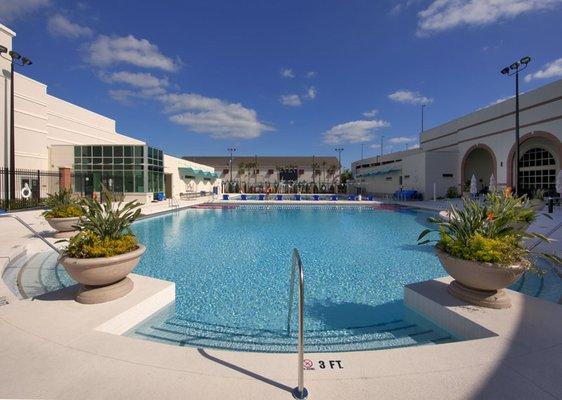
[126, 169]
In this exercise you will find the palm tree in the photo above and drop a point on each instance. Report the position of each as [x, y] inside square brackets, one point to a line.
[332, 171]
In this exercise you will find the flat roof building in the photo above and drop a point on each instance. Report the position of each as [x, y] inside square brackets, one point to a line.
[54, 135]
[257, 173]
[482, 144]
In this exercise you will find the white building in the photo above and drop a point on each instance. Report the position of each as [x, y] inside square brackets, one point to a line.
[54, 135]
[258, 173]
[481, 144]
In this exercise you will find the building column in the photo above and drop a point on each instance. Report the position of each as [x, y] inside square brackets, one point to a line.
[65, 180]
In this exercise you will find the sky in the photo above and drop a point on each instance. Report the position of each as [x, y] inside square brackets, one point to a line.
[284, 77]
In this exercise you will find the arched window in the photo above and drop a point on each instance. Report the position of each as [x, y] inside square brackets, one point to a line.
[538, 170]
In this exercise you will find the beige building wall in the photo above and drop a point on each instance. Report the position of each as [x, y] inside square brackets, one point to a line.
[6, 36]
[458, 147]
[182, 185]
[47, 127]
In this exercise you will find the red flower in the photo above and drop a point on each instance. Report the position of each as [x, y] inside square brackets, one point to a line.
[490, 216]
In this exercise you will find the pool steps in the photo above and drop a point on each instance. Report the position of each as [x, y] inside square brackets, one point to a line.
[395, 333]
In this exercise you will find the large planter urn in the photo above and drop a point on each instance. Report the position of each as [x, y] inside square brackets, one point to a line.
[102, 279]
[479, 283]
[65, 227]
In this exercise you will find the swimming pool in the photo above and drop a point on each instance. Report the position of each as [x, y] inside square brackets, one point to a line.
[231, 267]
[232, 270]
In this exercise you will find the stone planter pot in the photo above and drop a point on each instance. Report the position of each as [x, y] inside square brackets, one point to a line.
[537, 204]
[479, 283]
[64, 226]
[105, 278]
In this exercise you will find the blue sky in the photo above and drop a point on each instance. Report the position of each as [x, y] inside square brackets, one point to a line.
[284, 77]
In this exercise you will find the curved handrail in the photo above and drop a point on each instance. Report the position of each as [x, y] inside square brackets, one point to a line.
[35, 233]
[300, 391]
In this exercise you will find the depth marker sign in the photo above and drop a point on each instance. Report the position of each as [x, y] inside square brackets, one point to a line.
[308, 364]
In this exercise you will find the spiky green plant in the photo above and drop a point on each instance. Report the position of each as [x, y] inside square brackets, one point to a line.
[477, 231]
[62, 204]
[539, 194]
[105, 228]
[106, 220]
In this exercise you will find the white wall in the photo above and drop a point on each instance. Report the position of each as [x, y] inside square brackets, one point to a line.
[6, 36]
[438, 163]
[182, 185]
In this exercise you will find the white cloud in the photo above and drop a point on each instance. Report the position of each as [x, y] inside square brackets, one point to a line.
[407, 96]
[353, 131]
[137, 79]
[375, 146]
[287, 73]
[123, 96]
[106, 51]
[311, 74]
[58, 25]
[401, 140]
[401, 6]
[291, 100]
[295, 100]
[500, 100]
[311, 93]
[552, 69]
[11, 10]
[212, 116]
[441, 15]
[370, 113]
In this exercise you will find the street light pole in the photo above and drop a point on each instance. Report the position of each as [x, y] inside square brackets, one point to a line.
[514, 69]
[362, 145]
[15, 58]
[382, 142]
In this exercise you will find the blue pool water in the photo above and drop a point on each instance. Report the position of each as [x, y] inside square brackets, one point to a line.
[232, 268]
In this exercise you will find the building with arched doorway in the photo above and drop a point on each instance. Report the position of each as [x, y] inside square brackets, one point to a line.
[480, 144]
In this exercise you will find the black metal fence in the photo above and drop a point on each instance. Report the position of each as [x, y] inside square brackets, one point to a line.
[31, 187]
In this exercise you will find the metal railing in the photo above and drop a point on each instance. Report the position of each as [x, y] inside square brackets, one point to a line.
[300, 391]
[35, 233]
[173, 202]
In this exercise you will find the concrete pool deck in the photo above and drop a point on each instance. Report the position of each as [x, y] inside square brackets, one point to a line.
[53, 347]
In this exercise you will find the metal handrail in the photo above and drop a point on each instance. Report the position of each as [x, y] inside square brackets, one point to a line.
[300, 391]
[35, 233]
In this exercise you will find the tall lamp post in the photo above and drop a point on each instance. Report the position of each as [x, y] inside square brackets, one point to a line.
[422, 112]
[339, 150]
[514, 69]
[14, 58]
[230, 150]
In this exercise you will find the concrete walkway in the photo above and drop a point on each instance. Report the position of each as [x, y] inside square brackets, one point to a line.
[52, 347]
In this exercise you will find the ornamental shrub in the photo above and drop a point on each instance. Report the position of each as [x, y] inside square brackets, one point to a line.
[89, 245]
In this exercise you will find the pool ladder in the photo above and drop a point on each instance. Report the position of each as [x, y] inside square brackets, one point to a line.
[300, 391]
